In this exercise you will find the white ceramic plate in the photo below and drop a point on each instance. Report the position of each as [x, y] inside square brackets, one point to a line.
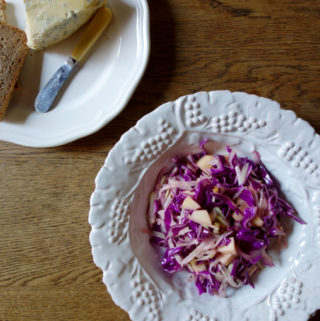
[289, 147]
[99, 89]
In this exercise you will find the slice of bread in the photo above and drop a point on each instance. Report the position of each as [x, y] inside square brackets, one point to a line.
[13, 52]
[3, 17]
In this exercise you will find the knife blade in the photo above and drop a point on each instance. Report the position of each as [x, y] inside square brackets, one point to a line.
[49, 92]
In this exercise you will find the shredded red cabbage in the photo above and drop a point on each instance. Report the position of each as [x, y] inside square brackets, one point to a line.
[215, 215]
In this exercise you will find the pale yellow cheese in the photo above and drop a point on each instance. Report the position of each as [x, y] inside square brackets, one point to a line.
[50, 21]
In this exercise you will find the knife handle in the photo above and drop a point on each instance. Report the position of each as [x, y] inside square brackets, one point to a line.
[98, 23]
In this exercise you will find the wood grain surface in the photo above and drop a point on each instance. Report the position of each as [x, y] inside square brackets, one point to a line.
[267, 47]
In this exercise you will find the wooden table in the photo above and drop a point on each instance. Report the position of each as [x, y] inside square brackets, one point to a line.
[267, 47]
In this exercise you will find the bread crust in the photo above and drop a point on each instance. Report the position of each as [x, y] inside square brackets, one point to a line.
[13, 52]
[3, 7]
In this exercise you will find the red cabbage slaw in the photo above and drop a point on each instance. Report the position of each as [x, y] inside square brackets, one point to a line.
[215, 215]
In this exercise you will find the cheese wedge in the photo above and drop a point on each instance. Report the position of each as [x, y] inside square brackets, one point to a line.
[50, 21]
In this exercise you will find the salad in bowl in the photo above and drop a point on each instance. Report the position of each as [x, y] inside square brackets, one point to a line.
[196, 202]
[215, 216]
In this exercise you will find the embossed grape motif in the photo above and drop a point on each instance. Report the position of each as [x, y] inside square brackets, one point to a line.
[235, 121]
[299, 157]
[225, 123]
[195, 315]
[152, 147]
[145, 296]
[286, 297]
[193, 113]
[119, 221]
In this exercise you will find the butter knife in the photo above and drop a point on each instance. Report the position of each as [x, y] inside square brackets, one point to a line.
[49, 92]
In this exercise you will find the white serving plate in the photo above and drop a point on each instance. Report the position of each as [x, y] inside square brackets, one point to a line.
[99, 89]
[288, 146]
